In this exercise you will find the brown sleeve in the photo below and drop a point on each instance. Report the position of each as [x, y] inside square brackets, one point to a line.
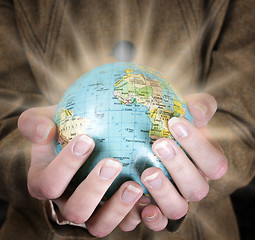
[18, 92]
[231, 80]
[227, 57]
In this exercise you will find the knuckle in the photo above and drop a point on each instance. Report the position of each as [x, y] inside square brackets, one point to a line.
[129, 227]
[74, 218]
[220, 169]
[67, 157]
[96, 232]
[160, 226]
[32, 186]
[48, 191]
[180, 212]
[211, 101]
[32, 191]
[199, 194]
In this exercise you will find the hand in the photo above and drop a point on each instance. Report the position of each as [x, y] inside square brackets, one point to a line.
[49, 177]
[191, 178]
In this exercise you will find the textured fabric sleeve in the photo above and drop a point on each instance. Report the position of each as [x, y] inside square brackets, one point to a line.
[227, 58]
[231, 80]
[18, 92]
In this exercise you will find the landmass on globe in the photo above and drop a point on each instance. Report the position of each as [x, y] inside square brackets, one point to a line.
[153, 94]
[131, 89]
[124, 107]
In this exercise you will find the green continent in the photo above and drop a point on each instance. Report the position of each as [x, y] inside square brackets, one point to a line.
[145, 91]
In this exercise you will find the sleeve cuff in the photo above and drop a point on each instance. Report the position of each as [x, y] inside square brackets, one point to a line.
[55, 215]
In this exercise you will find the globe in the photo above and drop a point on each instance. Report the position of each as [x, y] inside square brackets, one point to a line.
[124, 107]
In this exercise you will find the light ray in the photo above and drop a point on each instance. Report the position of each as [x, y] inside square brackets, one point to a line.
[144, 35]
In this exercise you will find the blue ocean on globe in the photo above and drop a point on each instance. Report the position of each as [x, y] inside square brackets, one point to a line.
[124, 107]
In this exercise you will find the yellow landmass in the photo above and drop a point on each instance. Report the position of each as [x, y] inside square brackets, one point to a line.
[129, 70]
[178, 107]
[165, 133]
[71, 126]
[68, 112]
[159, 119]
[153, 113]
[117, 83]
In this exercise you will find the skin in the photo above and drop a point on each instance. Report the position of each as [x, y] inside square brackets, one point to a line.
[49, 175]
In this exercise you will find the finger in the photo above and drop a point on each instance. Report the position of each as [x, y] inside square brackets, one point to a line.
[192, 185]
[202, 107]
[153, 218]
[209, 159]
[42, 156]
[109, 216]
[168, 199]
[206, 132]
[133, 218]
[49, 111]
[83, 202]
[48, 180]
[37, 125]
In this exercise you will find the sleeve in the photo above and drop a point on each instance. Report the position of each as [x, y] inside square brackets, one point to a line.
[227, 57]
[231, 80]
[225, 54]
[18, 91]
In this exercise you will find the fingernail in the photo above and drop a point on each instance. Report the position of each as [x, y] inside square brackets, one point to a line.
[109, 169]
[202, 108]
[130, 194]
[43, 130]
[82, 145]
[151, 218]
[143, 204]
[154, 180]
[164, 150]
[178, 127]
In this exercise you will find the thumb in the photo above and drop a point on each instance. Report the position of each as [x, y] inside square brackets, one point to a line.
[38, 128]
[202, 107]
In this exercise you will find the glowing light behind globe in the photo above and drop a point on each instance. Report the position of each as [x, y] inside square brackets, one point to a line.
[88, 60]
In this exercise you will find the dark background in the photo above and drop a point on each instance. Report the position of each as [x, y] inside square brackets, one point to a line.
[244, 205]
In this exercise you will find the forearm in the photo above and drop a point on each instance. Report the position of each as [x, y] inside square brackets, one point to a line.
[18, 91]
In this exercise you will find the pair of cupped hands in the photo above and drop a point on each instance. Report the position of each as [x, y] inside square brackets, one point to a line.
[49, 175]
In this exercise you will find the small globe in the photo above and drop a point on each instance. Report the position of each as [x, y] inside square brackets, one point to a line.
[124, 107]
